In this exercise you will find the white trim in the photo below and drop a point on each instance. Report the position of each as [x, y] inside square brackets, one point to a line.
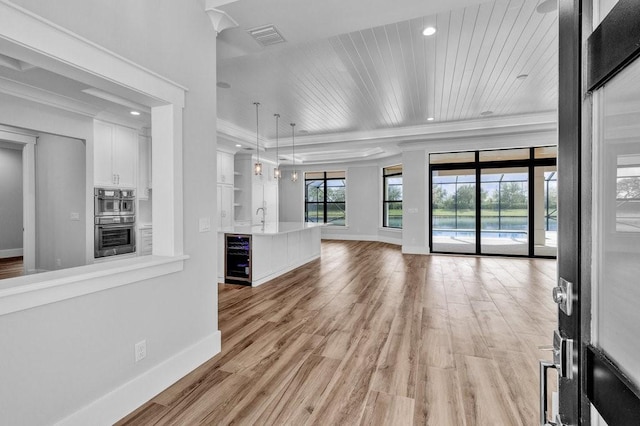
[44, 97]
[18, 294]
[390, 240]
[15, 252]
[388, 229]
[535, 129]
[415, 250]
[16, 135]
[123, 400]
[79, 56]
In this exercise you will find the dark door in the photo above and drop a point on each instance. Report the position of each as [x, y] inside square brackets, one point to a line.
[598, 293]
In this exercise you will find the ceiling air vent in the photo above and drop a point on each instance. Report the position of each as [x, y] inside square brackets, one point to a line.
[266, 35]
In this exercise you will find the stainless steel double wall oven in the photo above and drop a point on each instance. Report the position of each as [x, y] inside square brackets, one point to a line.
[115, 222]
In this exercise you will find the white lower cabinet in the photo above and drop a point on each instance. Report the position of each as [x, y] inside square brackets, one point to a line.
[145, 242]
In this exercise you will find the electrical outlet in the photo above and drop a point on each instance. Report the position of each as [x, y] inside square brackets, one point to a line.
[141, 350]
[75, 216]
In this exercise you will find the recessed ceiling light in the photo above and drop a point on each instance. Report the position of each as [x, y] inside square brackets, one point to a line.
[429, 31]
[484, 113]
[135, 113]
[430, 118]
[223, 85]
[522, 76]
[238, 145]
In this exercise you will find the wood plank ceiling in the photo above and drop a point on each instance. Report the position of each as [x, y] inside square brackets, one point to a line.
[391, 76]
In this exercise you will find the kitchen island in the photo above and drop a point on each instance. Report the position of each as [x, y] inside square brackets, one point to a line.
[273, 250]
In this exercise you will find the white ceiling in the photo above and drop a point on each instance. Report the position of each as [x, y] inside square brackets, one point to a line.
[362, 70]
[357, 77]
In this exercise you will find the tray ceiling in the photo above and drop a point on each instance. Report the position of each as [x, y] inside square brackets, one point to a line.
[486, 60]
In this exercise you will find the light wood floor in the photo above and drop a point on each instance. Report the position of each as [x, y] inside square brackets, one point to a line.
[367, 335]
[11, 267]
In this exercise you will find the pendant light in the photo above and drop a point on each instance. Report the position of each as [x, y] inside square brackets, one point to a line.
[257, 168]
[294, 173]
[277, 174]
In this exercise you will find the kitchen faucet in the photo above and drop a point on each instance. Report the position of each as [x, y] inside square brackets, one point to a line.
[264, 212]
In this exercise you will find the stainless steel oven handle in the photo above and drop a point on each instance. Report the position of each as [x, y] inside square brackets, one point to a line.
[118, 226]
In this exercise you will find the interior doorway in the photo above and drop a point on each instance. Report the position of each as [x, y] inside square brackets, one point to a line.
[11, 210]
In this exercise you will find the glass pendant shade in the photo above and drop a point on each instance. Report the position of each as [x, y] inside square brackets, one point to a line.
[257, 168]
[277, 173]
[294, 176]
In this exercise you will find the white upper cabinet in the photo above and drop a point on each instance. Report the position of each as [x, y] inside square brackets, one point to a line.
[225, 168]
[115, 155]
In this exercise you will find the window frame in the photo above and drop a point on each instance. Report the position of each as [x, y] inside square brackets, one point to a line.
[324, 203]
[533, 161]
[385, 201]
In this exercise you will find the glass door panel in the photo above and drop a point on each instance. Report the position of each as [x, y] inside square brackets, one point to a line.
[453, 222]
[617, 240]
[504, 211]
[545, 214]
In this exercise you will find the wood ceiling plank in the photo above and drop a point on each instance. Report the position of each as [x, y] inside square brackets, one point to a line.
[471, 107]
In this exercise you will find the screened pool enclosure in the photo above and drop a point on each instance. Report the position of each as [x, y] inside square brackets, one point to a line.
[494, 202]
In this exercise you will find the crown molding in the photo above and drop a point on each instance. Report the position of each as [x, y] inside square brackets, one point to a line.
[508, 125]
[44, 97]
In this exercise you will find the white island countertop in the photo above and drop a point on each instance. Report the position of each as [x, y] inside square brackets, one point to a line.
[271, 228]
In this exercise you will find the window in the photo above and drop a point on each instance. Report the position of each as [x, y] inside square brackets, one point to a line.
[325, 197]
[504, 202]
[392, 197]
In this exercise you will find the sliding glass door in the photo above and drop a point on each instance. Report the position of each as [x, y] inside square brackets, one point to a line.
[453, 215]
[501, 202]
[504, 215]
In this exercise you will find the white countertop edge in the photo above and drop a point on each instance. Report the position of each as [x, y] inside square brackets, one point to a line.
[55, 286]
[257, 229]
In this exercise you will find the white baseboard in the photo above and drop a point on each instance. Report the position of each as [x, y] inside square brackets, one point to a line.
[390, 240]
[11, 253]
[415, 250]
[123, 400]
[379, 238]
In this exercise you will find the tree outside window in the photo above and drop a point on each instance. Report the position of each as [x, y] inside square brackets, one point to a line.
[392, 197]
[325, 200]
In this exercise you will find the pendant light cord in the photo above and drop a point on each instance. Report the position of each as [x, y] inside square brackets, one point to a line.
[293, 145]
[257, 104]
[277, 116]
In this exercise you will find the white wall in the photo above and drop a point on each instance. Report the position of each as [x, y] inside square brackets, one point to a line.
[363, 199]
[416, 182]
[10, 202]
[364, 190]
[414, 204]
[60, 191]
[62, 356]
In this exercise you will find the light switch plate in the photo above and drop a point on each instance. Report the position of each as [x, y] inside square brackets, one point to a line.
[205, 224]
